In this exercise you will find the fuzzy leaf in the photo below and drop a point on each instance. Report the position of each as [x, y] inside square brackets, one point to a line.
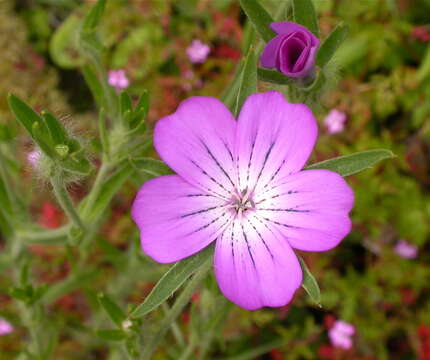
[112, 309]
[310, 284]
[171, 281]
[259, 17]
[304, 14]
[354, 163]
[248, 81]
[23, 113]
[56, 129]
[331, 44]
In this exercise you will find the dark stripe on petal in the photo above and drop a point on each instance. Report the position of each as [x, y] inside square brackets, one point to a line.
[247, 245]
[261, 238]
[202, 211]
[266, 157]
[218, 164]
[286, 210]
[210, 177]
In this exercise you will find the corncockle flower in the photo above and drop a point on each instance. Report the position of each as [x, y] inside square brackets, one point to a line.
[198, 51]
[118, 79]
[335, 121]
[5, 327]
[341, 333]
[292, 51]
[33, 158]
[240, 185]
[406, 250]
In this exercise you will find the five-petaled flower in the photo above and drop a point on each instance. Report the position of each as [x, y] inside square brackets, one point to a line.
[240, 185]
[292, 51]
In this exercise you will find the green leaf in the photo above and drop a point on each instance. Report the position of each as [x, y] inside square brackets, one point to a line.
[109, 188]
[56, 129]
[77, 164]
[42, 137]
[248, 80]
[150, 166]
[331, 44]
[304, 14]
[112, 309]
[104, 138]
[93, 83]
[273, 76]
[94, 16]
[23, 113]
[310, 284]
[126, 104]
[354, 163]
[424, 69]
[111, 334]
[228, 97]
[171, 281]
[6, 206]
[259, 17]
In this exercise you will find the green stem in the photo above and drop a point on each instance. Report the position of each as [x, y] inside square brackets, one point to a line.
[66, 203]
[174, 312]
[176, 331]
[6, 181]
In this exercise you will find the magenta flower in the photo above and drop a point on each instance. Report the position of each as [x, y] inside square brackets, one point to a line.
[292, 51]
[335, 121]
[406, 250]
[240, 184]
[5, 327]
[197, 52]
[341, 334]
[33, 157]
[118, 79]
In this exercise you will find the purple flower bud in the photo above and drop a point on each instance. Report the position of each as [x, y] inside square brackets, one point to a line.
[292, 51]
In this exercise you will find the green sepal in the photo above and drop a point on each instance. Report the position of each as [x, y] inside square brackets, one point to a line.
[331, 44]
[305, 14]
[273, 76]
[56, 129]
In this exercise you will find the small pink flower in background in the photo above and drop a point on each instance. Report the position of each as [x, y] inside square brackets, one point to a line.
[240, 185]
[335, 121]
[341, 334]
[5, 327]
[198, 51]
[33, 158]
[406, 250]
[118, 79]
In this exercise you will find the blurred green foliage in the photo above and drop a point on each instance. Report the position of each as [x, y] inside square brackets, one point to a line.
[384, 89]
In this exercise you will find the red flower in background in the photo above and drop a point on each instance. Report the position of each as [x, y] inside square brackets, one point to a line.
[50, 217]
[424, 335]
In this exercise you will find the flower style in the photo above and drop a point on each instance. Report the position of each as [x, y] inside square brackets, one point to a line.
[406, 250]
[118, 79]
[5, 327]
[198, 51]
[340, 334]
[239, 184]
[292, 51]
[335, 121]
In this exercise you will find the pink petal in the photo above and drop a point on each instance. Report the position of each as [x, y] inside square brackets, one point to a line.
[286, 28]
[255, 266]
[270, 53]
[176, 219]
[272, 136]
[197, 142]
[310, 208]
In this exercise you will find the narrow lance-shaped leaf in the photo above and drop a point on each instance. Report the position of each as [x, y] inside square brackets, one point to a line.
[112, 309]
[23, 113]
[94, 16]
[57, 131]
[151, 167]
[259, 17]
[331, 44]
[228, 97]
[171, 281]
[354, 163]
[248, 81]
[310, 284]
[304, 13]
